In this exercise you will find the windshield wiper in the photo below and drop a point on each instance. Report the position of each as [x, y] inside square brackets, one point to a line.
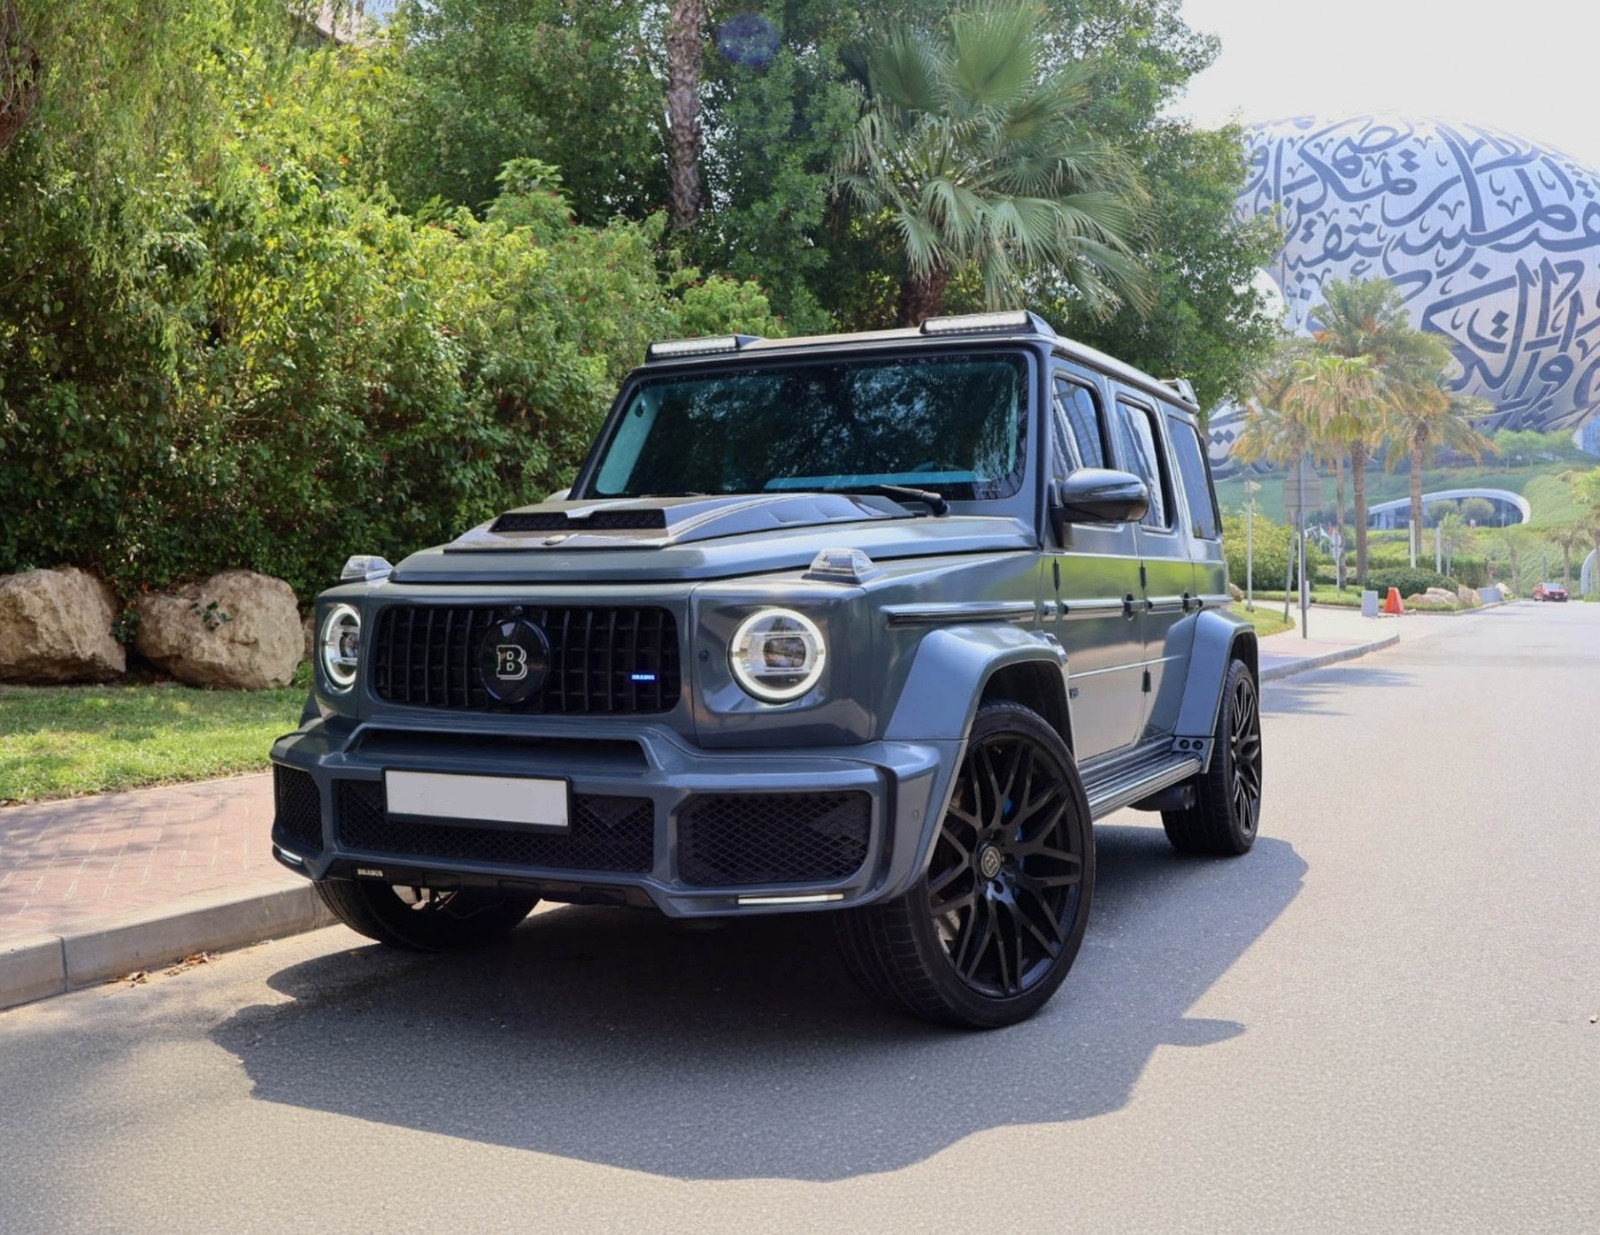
[899, 493]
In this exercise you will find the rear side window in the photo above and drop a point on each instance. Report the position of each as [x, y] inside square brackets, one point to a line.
[1079, 434]
[1136, 440]
[1198, 495]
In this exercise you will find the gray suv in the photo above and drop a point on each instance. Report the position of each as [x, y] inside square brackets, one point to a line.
[874, 625]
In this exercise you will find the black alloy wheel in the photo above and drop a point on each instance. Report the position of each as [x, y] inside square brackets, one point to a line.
[1227, 811]
[990, 931]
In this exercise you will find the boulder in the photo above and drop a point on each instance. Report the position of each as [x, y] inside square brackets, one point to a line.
[1442, 596]
[1235, 591]
[55, 626]
[237, 630]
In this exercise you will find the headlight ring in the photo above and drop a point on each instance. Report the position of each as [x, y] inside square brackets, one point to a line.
[340, 646]
[777, 655]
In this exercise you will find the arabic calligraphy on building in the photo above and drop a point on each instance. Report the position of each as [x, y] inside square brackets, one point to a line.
[1494, 242]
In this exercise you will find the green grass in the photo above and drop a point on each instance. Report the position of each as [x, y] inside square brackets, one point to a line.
[63, 741]
[1266, 620]
[1321, 594]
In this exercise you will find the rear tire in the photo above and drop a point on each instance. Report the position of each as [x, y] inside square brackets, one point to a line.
[424, 919]
[1227, 807]
[989, 931]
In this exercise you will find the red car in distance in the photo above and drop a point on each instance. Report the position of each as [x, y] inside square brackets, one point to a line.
[1549, 591]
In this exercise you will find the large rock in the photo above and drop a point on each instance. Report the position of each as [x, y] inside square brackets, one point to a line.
[55, 626]
[237, 630]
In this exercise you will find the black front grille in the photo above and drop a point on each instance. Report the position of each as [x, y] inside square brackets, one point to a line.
[560, 521]
[615, 661]
[606, 834]
[297, 815]
[757, 838]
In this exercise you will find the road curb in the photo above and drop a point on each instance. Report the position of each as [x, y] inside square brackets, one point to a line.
[1273, 672]
[38, 966]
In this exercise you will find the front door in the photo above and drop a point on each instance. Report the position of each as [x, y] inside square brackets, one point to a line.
[1094, 573]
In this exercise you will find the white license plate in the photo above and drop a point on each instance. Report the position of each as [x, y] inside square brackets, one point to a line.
[492, 799]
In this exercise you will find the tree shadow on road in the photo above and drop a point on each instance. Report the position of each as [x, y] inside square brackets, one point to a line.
[743, 1050]
[1321, 692]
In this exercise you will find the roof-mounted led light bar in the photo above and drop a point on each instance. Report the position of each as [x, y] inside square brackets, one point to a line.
[673, 349]
[986, 323]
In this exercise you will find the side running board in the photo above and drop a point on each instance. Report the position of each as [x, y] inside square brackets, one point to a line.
[1121, 782]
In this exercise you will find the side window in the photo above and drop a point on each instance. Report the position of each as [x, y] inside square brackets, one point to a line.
[1079, 434]
[1136, 441]
[1198, 494]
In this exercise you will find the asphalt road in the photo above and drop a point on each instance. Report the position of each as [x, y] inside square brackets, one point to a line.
[1383, 1019]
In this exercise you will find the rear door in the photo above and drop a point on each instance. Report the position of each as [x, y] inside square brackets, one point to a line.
[1166, 575]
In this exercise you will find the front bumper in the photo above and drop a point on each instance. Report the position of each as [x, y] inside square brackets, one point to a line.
[653, 819]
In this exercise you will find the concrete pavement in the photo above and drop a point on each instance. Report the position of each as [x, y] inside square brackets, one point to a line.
[102, 887]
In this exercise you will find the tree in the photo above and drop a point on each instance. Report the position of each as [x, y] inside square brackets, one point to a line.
[19, 75]
[477, 83]
[1368, 319]
[1586, 488]
[1337, 395]
[979, 158]
[1208, 321]
[685, 48]
[1421, 415]
[1569, 536]
[1477, 511]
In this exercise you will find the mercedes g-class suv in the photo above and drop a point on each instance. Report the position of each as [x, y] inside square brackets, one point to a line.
[874, 625]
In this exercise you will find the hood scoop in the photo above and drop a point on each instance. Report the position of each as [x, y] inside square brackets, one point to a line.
[631, 524]
[588, 520]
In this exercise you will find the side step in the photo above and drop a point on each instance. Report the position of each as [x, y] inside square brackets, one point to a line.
[1121, 782]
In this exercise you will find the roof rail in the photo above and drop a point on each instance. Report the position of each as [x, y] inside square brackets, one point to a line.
[674, 349]
[1183, 387]
[1011, 321]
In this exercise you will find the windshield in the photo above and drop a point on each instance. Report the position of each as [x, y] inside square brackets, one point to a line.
[955, 424]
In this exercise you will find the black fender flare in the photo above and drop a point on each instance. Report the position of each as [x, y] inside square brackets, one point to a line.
[1219, 638]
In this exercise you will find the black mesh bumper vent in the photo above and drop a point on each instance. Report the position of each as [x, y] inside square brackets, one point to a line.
[726, 840]
[610, 661]
[607, 834]
[297, 813]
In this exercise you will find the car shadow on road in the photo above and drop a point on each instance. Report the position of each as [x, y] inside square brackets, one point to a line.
[744, 1050]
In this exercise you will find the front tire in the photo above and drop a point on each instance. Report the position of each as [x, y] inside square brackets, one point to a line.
[1227, 808]
[989, 931]
[424, 919]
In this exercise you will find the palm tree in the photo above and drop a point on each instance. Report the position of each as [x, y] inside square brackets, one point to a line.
[1369, 320]
[1338, 395]
[1421, 415]
[979, 157]
[1569, 536]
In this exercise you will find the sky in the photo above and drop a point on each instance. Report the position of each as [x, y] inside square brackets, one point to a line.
[1530, 67]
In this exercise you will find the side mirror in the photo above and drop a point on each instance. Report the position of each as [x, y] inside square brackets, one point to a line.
[1097, 495]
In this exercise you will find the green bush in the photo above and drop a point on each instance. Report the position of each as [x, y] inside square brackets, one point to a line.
[1410, 582]
[1272, 542]
[298, 372]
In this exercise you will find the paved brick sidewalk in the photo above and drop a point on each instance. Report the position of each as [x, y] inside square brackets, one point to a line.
[65, 864]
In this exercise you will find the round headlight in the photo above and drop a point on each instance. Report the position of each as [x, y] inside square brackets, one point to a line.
[341, 646]
[777, 655]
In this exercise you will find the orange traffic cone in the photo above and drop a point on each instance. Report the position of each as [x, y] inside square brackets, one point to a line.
[1393, 605]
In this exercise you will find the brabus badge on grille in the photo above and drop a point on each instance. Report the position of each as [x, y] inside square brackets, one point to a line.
[513, 661]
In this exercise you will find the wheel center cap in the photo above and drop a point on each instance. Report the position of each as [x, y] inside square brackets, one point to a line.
[990, 862]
